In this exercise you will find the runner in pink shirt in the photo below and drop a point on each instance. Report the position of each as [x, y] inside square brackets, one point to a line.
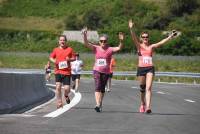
[145, 71]
[103, 55]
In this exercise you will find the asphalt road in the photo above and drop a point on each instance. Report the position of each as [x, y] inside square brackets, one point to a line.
[175, 110]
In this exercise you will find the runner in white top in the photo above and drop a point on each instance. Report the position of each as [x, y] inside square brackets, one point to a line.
[76, 69]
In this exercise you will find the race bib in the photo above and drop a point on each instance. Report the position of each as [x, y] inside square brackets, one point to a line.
[62, 65]
[101, 62]
[147, 60]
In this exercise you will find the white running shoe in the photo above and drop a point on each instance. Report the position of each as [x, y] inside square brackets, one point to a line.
[108, 90]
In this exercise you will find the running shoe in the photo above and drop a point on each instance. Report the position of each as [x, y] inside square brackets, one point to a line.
[67, 99]
[108, 90]
[76, 90]
[142, 109]
[148, 111]
[97, 109]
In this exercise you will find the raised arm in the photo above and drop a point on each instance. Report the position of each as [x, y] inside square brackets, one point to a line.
[121, 39]
[86, 42]
[133, 35]
[162, 42]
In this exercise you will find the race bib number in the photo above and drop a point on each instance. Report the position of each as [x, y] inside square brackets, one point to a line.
[147, 60]
[62, 65]
[101, 62]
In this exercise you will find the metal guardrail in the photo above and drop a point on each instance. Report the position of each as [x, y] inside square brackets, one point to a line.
[170, 74]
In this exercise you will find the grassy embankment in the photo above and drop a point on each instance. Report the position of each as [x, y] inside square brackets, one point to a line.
[125, 62]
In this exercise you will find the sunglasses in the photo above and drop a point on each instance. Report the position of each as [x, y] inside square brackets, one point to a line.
[145, 37]
[103, 41]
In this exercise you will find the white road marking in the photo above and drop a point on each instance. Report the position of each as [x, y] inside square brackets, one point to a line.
[135, 87]
[173, 83]
[188, 100]
[159, 92]
[76, 99]
[16, 115]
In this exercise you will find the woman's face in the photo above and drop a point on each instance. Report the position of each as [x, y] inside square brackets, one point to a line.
[62, 41]
[145, 38]
[103, 41]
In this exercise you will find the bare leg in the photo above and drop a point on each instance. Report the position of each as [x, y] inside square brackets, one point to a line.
[59, 94]
[67, 91]
[73, 85]
[98, 98]
[142, 80]
[149, 81]
[48, 77]
[77, 84]
[109, 84]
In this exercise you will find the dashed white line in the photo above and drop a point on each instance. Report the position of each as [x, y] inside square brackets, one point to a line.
[188, 100]
[159, 92]
[135, 87]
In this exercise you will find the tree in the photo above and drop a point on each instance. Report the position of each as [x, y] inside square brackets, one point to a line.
[93, 19]
[179, 7]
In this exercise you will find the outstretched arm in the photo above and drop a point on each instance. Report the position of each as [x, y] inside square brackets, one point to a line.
[133, 35]
[86, 42]
[121, 38]
[162, 42]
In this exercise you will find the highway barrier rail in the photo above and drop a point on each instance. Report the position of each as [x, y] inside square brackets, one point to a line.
[170, 74]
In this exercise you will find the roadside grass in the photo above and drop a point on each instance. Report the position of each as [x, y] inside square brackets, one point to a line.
[125, 62]
[23, 60]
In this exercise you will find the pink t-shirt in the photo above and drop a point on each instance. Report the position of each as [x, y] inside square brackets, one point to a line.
[145, 57]
[102, 59]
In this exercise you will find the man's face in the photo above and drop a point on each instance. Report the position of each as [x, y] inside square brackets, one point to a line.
[62, 41]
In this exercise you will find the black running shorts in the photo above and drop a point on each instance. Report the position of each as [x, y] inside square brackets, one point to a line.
[75, 76]
[142, 71]
[65, 79]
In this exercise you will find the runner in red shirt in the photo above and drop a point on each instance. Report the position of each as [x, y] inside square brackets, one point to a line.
[61, 57]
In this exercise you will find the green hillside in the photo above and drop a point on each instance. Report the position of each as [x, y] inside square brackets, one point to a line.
[33, 25]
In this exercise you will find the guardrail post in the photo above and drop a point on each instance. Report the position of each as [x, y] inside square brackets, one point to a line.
[194, 82]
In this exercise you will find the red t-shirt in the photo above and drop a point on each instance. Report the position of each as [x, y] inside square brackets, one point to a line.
[61, 65]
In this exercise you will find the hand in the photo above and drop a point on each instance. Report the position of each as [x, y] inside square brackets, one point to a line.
[84, 30]
[130, 23]
[67, 59]
[121, 36]
[173, 34]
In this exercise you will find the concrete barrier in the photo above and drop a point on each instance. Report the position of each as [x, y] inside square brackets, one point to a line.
[22, 88]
